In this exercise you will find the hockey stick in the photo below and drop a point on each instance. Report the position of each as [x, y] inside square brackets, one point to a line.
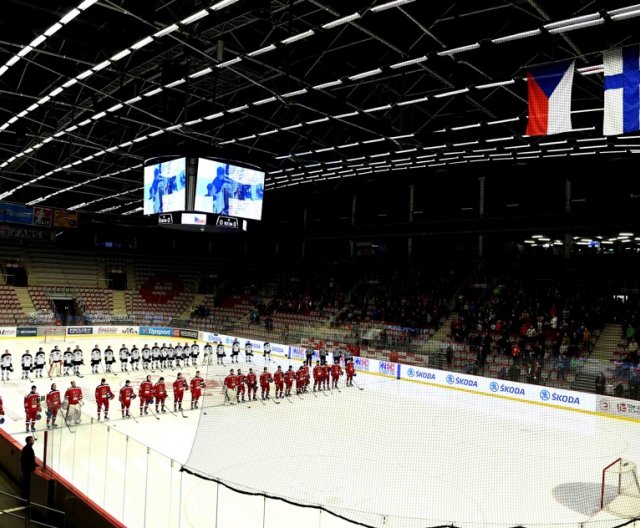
[132, 416]
[356, 384]
[154, 414]
[64, 417]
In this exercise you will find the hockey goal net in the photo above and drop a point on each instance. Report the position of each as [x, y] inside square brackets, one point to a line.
[55, 335]
[620, 493]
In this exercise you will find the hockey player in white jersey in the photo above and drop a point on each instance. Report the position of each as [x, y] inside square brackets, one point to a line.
[186, 352]
[266, 350]
[195, 352]
[146, 357]
[235, 350]
[6, 364]
[78, 359]
[171, 355]
[248, 351]
[109, 359]
[67, 362]
[178, 355]
[124, 358]
[135, 358]
[155, 356]
[96, 359]
[27, 364]
[208, 351]
[39, 362]
[164, 355]
[55, 362]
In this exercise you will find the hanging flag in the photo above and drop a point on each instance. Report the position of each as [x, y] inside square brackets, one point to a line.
[550, 98]
[621, 91]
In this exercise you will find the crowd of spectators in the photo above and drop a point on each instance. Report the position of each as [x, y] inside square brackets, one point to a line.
[537, 324]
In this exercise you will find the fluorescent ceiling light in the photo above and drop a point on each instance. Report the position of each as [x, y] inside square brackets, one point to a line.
[298, 37]
[389, 5]
[152, 92]
[340, 21]
[37, 41]
[86, 4]
[115, 107]
[69, 16]
[409, 62]
[260, 51]
[52, 29]
[516, 36]
[222, 5]
[327, 85]
[194, 17]
[133, 100]
[295, 93]
[175, 83]
[453, 51]
[101, 66]
[200, 73]
[365, 74]
[230, 62]
[84, 75]
[166, 31]
[56, 91]
[120, 55]
[24, 51]
[142, 43]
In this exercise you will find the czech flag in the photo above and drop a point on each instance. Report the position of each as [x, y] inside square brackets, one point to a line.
[550, 98]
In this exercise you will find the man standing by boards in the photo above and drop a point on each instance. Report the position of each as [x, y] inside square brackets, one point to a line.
[28, 465]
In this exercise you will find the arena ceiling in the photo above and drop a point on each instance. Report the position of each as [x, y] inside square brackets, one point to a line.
[310, 90]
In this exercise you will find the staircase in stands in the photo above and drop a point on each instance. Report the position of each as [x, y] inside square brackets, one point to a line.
[25, 301]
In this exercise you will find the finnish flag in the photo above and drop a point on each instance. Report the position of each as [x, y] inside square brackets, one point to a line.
[621, 91]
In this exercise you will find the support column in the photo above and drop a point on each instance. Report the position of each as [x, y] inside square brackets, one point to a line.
[481, 181]
[568, 239]
[412, 190]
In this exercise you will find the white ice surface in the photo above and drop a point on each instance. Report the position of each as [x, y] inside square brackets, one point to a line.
[394, 454]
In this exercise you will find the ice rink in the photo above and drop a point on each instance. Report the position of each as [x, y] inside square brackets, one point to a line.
[396, 454]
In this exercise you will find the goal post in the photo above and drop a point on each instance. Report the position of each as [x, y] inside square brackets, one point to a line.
[55, 335]
[620, 489]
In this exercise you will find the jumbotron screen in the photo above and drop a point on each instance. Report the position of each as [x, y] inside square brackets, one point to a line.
[226, 189]
[165, 187]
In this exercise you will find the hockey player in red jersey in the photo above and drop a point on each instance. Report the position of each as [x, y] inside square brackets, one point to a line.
[326, 375]
[307, 377]
[160, 390]
[300, 378]
[278, 379]
[230, 388]
[252, 384]
[145, 392]
[54, 403]
[196, 386]
[103, 395]
[179, 386]
[74, 401]
[265, 380]
[336, 372]
[241, 381]
[126, 395]
[317, 376]
[1, 411]
[31, 409]
[351, 370]
[289, 376]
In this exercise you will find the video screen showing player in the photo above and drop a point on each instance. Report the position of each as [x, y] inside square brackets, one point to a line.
[226, 189]
[164, 187]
